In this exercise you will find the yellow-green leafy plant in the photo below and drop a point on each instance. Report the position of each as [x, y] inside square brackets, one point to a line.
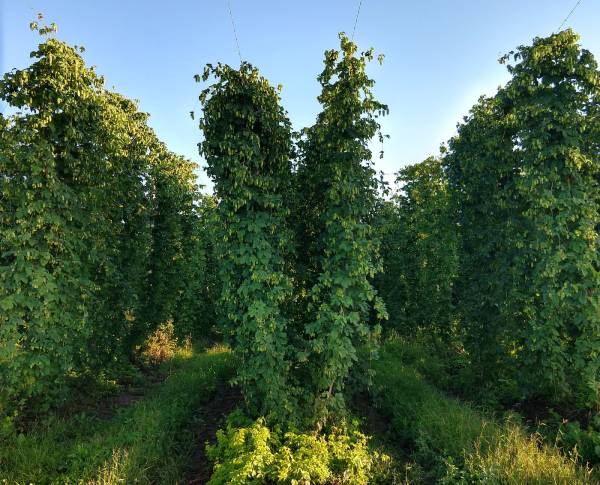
[160, 346]
[250, 452]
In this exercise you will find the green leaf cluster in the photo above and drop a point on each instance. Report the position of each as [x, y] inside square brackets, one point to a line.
[419, 243]
[338, 253]
[248, 147]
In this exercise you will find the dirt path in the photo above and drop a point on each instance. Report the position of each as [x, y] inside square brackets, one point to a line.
[374, 422]
[377, 427]
[85, 399]
[209, 418]
[107, 407]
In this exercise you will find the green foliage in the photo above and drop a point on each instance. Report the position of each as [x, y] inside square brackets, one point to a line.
[247, 145]
[554, 85]
[480, 163]
[196, 314]
[55, 243]
[298, 348]
[91, 204]
[121, 230]
[491, 251]
[419, 249]
[249, 452]
[523, 171]
[337, 251]
[392, 283]
[175, 255]
[149, 441]
[585, 440]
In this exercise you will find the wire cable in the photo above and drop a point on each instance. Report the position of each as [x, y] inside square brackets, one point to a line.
[356, 18]
[568, 16]
[237, 43]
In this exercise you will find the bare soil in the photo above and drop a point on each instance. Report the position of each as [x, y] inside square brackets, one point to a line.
[208, 419]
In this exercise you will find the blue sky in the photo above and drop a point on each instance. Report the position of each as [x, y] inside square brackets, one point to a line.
[440, 55]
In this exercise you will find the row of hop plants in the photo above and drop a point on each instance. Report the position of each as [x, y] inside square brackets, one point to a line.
[100, 229]
[105, 238]
[491, 249]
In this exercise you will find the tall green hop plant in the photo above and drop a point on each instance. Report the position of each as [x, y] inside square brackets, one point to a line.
[85, 187]
[338, 254]
[480, 165]
[524, 173]
[118, 236]
[553, 93]
[247, 145]
[393, 282]
[53, 170]
[173, 192]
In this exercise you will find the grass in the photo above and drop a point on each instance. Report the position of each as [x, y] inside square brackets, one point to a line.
[145, 442]
[452, 442]
[443, 439]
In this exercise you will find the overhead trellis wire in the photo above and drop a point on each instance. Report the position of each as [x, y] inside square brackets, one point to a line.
[568, 16]
[235, 36]
[356, 18]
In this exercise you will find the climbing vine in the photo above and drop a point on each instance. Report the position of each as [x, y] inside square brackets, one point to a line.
[554, 88]
[419, 248]
[52, 178]
[480, 163]
[339, 255]
[173, 220]
[247, 145]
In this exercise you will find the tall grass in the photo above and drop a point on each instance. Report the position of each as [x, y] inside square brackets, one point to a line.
[452, 442]
[146, 442]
